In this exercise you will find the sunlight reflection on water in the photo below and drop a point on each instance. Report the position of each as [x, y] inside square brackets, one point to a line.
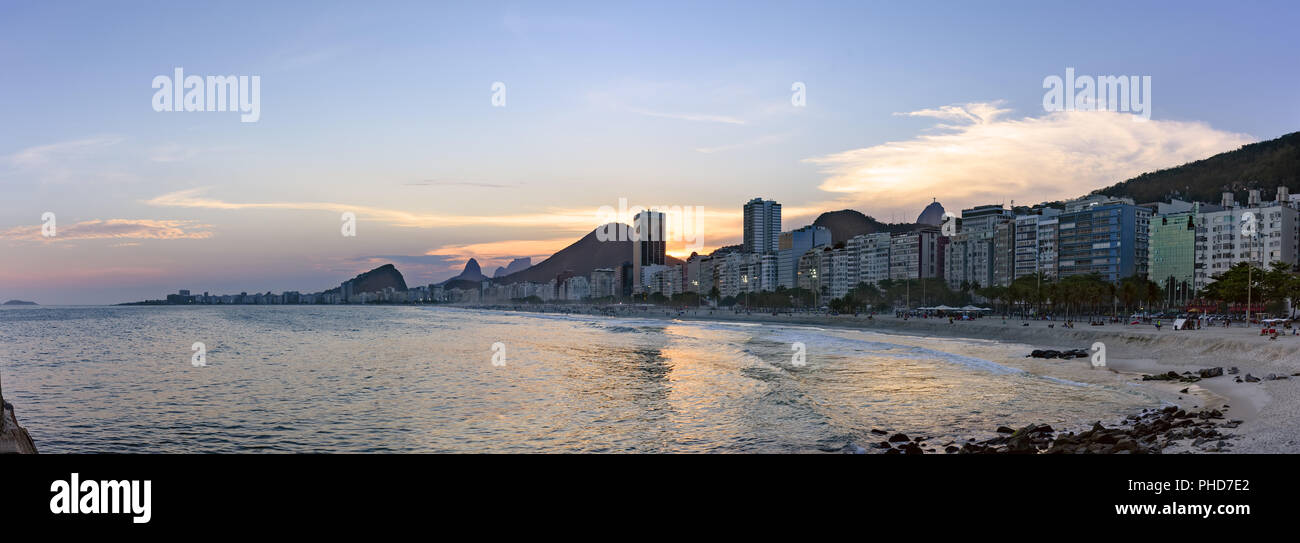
[420, 379]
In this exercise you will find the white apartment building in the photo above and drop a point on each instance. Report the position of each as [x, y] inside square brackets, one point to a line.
[1222, 239]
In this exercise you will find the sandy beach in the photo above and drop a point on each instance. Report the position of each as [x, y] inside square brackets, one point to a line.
[1269, 410]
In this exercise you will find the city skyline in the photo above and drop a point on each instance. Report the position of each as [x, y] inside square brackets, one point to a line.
[895, 114]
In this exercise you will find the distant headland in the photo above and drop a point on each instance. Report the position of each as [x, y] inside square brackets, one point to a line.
[19, 302]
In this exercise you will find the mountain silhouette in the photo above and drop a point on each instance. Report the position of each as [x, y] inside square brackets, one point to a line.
[580, 258]
[375, 280]
[847, 223]
[471, 277]
[516, 265]
[1263, 165]
[932, 214]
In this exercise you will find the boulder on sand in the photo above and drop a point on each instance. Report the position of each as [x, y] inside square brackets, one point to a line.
[13, 438]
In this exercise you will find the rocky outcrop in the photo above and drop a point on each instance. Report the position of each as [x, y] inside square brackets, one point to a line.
[470, 277]
[375, 280]
[1148, 432]
[13, 438]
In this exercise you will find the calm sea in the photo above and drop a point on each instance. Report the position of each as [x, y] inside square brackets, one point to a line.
[422, 379]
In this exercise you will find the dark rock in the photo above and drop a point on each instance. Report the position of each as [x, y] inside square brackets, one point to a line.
[898, 438]
[1210, 372]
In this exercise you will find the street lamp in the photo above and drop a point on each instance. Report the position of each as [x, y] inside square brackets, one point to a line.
[817, 287]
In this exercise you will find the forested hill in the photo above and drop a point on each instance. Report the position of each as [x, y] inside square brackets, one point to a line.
[1263, 165]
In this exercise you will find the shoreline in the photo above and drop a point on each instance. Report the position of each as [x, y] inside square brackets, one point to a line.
[1264, 415]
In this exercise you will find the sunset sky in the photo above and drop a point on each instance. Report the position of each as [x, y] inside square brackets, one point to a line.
[386, 111]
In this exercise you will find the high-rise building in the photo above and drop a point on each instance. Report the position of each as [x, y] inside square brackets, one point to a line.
[1047, 241]
[603, 283]
[970, 256]
[1034, 233]
[813, 270]
[1223, 239]
[792, 246]
[1171, 254]
[917, 254]
[843, 272]
[762, 226]
[648, 244]
[1103, 235]
[1004, 253]
[873, 257]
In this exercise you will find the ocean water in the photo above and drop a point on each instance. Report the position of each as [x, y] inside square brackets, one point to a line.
[422, 379]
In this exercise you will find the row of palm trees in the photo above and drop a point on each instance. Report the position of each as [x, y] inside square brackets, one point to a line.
[1074, 295]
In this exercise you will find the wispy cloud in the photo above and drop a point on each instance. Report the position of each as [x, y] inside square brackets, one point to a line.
[457, 183]
[986, 157]
[112, 229]
[695, 117]
[577, 220]
[42, 155]
[718, 224]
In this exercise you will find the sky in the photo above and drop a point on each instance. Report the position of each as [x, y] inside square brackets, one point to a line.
[388, 111]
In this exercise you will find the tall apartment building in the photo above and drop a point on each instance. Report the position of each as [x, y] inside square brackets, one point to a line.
[970, 255]
[648, 245]
[918, 254]
[812, 270]
[1171, 252]
[873, 257]
[1035, 234]
[792, 247]
[844, 270]
[1048, 238]
[1222, 239]
[604, 283]
[1103, 235]
[762, 226]
[1004, 253]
